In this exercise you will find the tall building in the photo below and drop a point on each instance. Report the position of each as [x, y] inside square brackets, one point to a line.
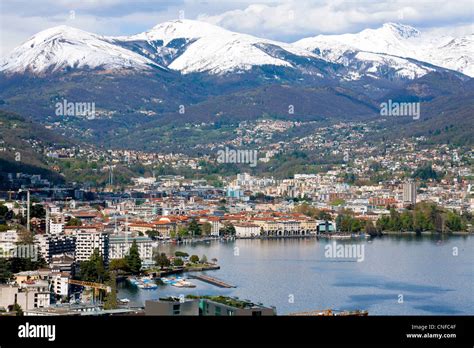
[87, 242]
[409, 192]
[51, 245]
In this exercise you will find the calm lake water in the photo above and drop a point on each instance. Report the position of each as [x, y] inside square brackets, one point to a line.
[295, 275]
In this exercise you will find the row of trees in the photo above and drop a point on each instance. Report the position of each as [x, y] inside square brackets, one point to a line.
[163, 260]
[424, 217]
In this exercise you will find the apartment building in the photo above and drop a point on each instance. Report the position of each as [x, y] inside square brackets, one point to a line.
[87, 242]
[55, 244]
[119, 247]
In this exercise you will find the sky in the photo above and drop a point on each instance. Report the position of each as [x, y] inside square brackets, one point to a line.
[282, 20]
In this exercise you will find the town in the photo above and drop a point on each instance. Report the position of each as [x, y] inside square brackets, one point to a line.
[53, 238]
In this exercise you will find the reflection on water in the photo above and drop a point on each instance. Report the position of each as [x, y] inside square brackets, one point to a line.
[294, 275]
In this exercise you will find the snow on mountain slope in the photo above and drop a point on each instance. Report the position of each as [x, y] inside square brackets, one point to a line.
[64, 47]
[190, 46]
[212, 49]
[452, 53]
[398, 40]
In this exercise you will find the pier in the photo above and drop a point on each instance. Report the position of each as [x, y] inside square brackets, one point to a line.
[212, 280]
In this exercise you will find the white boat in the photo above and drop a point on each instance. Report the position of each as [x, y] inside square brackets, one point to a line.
[147, 286]
[340, 236]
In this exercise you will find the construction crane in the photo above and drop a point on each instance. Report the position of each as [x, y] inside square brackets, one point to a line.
[96, 286]
[90, 285]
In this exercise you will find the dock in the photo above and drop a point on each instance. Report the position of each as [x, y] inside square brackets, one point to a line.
[212, 280]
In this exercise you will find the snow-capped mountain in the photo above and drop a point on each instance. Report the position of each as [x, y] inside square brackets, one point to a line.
[191, 46]
[400, 41]
[393, 51]
[63, 47]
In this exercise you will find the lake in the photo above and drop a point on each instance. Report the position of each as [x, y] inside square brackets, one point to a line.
[398, 275]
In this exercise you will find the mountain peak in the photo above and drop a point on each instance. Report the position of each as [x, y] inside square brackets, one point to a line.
[402, 30]
[181, 28]
[63, 47]
[60, 31]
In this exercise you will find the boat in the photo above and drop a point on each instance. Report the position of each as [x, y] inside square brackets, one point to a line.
[178, 282]
[340, 236]
[147, 286]
[183, 284]
[134, 281]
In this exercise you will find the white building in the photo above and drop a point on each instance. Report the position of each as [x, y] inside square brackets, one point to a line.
[56, 228]
[8, 240]
[34, 294]
[119, 246]
[246, 230]
[60, 283]
[87, 242]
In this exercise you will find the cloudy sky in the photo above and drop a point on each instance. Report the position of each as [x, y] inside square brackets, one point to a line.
[284, 20]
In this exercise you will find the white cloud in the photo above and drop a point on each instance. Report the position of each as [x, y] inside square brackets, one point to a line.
[293, 18]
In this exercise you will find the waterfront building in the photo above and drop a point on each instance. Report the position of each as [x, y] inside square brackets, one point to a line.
[119, 247]
[247, 230]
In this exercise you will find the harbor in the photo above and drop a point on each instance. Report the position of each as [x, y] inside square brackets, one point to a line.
[295, 276]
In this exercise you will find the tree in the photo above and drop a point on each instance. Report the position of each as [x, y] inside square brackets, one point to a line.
[37, 211]
[178, 262]
[203, 259]
[93, 270]
[183, 232]
[206, 229]
[181, 254]
[453, 222]
[406, 221]
[152, 234]
[162, 260]
[356, 225]
[3, 210]
[5, 272]
[194, 228]
[17, 308]
[133, 259]
[228, 229]
[370, 228]
[194, 259]
[118, 265]
[111, 297]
